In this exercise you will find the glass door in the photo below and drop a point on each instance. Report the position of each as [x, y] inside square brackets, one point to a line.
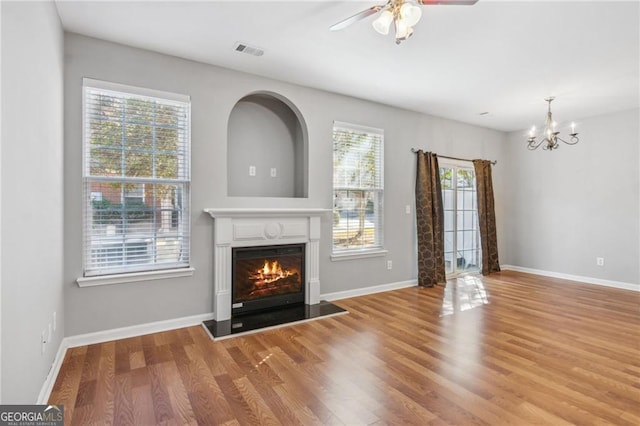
[462, 250]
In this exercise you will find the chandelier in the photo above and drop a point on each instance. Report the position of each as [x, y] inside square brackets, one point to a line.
[549, 139]
[403, 14]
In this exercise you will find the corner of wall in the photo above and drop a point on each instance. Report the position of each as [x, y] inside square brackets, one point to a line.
[1, 144]
[33, 64]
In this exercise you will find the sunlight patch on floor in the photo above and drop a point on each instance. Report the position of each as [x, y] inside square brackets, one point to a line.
[464, 293]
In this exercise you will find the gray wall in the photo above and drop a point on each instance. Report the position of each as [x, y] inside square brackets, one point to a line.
[574, 204]
[263, 133]
[32, 195]
[214, 91]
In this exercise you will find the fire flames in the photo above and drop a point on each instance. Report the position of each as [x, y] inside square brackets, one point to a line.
[271, 272]
[267, 277]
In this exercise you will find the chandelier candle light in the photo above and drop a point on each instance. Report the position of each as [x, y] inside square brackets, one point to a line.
[403, 14]
[550, 138]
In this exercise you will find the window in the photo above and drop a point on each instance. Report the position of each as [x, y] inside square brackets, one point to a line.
[134, 192]
[462, 250]
[136, 178]
[358, 188]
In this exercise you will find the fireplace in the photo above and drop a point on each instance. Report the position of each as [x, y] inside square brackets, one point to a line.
[237, 227]
[279, 235]
[267, 277]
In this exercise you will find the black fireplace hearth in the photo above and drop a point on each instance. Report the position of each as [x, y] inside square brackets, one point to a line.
[268, 319]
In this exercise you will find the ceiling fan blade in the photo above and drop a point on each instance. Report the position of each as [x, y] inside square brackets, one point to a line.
[355, 18]
[448, 2]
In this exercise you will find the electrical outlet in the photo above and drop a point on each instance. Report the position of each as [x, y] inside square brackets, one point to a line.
[49, 332]
[600, 261]
[252, 170]
[389, 265]
[407, 209]
[274, 172]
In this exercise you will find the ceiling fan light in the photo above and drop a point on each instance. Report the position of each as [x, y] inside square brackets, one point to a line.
[383, 22]
[410, 13]
[409, 32]
[402, 30]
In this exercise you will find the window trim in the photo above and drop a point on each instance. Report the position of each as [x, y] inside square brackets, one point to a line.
[134, 90]
[362, 253]
[358, 254]
[132, 277]
[151, 271]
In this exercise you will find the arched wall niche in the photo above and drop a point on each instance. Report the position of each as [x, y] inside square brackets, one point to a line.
[267, 148]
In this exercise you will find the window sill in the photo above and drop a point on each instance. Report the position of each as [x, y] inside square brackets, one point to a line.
[358, 255]
[134, 277]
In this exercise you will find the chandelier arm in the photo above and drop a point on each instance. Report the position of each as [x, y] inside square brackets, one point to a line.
[533, 145]
[574, 140]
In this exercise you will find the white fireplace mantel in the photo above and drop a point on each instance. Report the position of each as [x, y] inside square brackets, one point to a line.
[247, 227]
[274, 212]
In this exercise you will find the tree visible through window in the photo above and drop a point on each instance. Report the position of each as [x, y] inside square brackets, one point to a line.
[357, 188]
[136, 179]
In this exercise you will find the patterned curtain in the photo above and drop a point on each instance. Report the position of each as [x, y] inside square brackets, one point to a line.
[486, 217]
[430, 221]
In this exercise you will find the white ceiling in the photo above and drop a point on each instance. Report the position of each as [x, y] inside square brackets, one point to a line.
[500, 57]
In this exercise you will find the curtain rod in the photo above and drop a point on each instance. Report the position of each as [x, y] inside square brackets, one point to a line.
[494, 162]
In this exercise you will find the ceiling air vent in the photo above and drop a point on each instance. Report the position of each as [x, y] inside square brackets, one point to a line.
[250, 50]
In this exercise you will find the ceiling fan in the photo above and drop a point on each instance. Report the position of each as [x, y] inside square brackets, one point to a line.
[404, 14]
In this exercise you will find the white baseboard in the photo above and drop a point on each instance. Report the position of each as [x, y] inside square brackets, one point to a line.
[367, 290]
[47, 387]
[135, 330]
[588, 280]
[107, 336]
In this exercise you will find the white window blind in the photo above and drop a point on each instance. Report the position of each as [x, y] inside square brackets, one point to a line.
[358, 188]
[136, 179]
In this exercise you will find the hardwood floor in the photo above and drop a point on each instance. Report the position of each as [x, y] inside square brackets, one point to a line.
[511, 348]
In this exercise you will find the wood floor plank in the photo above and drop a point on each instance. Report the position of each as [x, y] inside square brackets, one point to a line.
[136, 360]
[180, 403]
[239, 406]
[91, 360]
[103, 402]
[142, 402]
[162, 406]
[81, 416]
[68, 382]
[303, 414]
[123, 400]
[510, 348]
[207, 399]
[255, 402]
